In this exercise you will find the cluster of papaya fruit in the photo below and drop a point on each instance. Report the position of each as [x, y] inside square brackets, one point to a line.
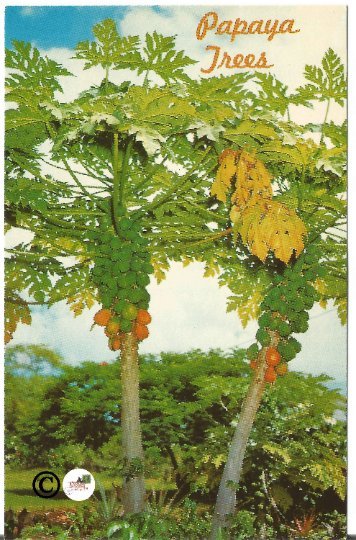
[138, 319]
[121, 273]
[285, 311]
[274, 365]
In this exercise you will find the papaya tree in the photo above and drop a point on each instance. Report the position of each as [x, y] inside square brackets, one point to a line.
[110, 188]
[289, 226]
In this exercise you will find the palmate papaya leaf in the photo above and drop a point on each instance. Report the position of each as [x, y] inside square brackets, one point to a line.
[75, 279]
[16, 311]
[213, 91]
[301, 155]
[33, 71]
[250, 309]
[24, 116]
[109, 49]
[252, 179]
[210, 131]
[341, 304]
[225, 174]
[334, 286]
[273, 94]
[217, 100]
[84, 299]
[160, 56]
[161, 266]
[158, 112]
[282, 231]
[247, 287]
[259, 130]
[24, 137]
[151, 140]
[328, 474]
[35, 277]
[211, 269]
[149, 114]
[325, 82]
[337, 134]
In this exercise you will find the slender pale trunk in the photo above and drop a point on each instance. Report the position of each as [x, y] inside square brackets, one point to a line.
[133, 492]
[226, 498]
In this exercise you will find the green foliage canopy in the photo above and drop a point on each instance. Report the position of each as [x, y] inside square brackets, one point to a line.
[154, 148]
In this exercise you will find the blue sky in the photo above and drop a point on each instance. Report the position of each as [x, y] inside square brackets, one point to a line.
[57, 26]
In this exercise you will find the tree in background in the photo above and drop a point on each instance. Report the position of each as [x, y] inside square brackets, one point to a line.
[29, 371]
[294, 464]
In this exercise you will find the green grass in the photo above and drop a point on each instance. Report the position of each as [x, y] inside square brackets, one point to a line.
[19, 493]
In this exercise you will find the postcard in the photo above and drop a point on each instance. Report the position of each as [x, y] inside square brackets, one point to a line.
[175, 272]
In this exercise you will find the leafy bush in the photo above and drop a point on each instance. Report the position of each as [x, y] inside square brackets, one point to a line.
[107, 507]
[189, 405]
[70, 456]
[243, 525]
[163, 523]
[182, 523]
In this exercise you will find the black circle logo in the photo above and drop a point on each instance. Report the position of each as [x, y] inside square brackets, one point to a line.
[46, 484]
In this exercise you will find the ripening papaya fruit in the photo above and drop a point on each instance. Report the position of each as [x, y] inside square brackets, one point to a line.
[141, 331]
[102, 317]
[143, 317]
[270, 375]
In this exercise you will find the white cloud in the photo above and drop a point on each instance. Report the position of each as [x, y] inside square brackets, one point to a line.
[28, 11]
[323, 345]
[16, 236]
[72, 87]
[188, 312]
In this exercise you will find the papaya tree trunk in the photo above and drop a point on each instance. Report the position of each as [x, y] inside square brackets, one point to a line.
[226, 498]
[133, 490]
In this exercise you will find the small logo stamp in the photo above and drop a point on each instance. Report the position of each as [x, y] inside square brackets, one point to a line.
[46, 484]
[78, 484]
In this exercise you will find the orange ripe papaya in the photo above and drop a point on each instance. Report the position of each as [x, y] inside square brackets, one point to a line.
[141, 331]
[272, 357]
[143, 317]
[270, 375]
[102, 317]
[114, 343]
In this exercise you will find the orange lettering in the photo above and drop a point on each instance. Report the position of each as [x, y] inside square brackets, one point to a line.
[258, 25]
[262, 62]
[273, 30]
[238, 59]
[204, 25]
[224, 28]
[236, 30]
[226, 60]
[249, 60]
[289, 27]
[215, 59]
